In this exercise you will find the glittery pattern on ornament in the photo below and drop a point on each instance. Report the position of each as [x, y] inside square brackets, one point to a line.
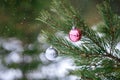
[75, 34]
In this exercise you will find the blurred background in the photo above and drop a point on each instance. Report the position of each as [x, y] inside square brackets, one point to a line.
[20, 38]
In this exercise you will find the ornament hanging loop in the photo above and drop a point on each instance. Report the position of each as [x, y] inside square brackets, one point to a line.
[73, 25]
[74, 22]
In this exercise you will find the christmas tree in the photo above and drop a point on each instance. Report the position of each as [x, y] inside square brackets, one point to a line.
[97, 53]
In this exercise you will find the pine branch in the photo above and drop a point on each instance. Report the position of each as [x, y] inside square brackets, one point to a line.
[99, 43]
[93, 46]
[113, 25]
[113, 57]
[92, 35]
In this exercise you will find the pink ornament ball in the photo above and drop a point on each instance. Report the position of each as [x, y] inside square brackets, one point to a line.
[75, 35]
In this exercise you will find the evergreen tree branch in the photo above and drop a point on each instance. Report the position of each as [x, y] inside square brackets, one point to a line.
[92, 35]
[93, 46]
[113, 57]
[98, 42]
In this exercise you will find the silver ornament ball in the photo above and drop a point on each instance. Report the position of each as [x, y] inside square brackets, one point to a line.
[51, 53]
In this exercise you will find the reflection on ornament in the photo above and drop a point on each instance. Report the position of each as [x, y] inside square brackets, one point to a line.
[51, 53]
[75, 34]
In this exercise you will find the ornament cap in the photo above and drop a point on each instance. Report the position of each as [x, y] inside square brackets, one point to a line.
[73, 27]
[51, 46]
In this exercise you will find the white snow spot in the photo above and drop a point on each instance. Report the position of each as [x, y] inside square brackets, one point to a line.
[13, 57]
[118, 46]
[10, 74]
[59, 69]
[12, 44]
[27, 59]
